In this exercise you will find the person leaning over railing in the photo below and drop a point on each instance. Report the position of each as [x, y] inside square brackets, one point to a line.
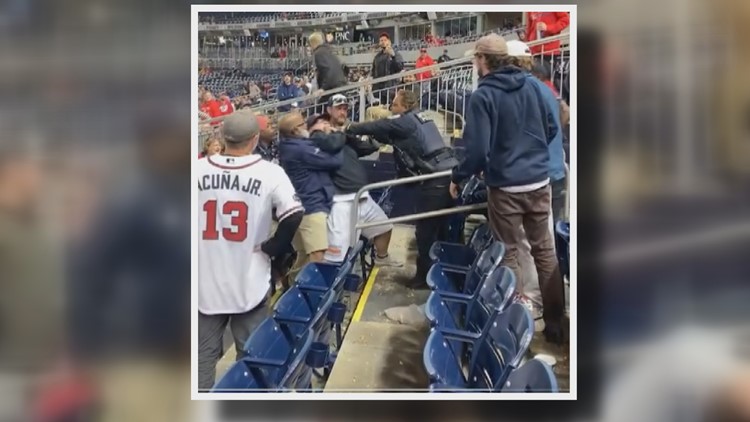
[507, 132]
[419, 149]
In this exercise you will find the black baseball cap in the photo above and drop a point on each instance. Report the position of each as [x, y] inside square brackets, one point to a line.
[315, 118]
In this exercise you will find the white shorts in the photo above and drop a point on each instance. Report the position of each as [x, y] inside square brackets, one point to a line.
[339, 225]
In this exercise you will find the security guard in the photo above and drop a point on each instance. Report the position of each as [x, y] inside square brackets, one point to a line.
[419, 149]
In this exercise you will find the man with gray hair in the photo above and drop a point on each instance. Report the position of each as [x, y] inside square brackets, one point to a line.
[508, 131]
[237, 192]
[329, 72]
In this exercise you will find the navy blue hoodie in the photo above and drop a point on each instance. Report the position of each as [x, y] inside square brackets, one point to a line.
[309, 168]
[508, 131]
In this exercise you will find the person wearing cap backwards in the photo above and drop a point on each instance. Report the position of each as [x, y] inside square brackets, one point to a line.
[508, 131]
[386, 62]
[237, 192]
[348, 179]
[523, 59]
[419, 148]
[309, 169]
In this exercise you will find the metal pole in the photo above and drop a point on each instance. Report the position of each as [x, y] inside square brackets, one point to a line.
[423, 215]
[367, 188]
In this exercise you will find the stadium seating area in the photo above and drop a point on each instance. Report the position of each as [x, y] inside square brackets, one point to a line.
[231, 82]
[218, 18]
[293, 344]
[415, 44]
[478, 338]
[478, 341]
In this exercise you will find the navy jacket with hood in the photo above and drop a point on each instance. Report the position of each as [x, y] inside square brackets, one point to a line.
[508, 131]
[309, 168]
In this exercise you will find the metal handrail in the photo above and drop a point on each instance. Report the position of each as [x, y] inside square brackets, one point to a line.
[354, 226]
[361, 84]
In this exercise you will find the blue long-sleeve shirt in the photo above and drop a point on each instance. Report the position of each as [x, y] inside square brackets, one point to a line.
[556, 151]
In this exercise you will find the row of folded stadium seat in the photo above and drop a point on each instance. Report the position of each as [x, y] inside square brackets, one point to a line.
[475, 325]
[293, 344]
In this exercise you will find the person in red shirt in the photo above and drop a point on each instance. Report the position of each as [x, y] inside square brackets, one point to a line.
[225, 106]
[210, 105]
[424, 60]
[546, 24]
[429, 39]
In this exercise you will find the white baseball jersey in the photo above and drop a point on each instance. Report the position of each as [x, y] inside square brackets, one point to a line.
[236, 196]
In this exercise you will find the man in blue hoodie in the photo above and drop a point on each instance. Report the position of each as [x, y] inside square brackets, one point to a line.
[309, 168]
[508, 131]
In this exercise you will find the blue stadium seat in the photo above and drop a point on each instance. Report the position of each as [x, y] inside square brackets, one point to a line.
[459, 256]
[274, 360]
[300, 310]
[322, 276]
[562, 245]
[438, 278]
[533, 376]
[468, 319]
[494, 295]
[496, 352]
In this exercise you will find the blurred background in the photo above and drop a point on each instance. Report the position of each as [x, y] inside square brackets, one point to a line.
[94, 218]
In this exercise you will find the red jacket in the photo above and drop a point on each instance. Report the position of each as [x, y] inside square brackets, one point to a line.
[424, 62]
[555, 21]
[212, 108]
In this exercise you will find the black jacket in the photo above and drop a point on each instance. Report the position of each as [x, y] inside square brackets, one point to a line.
[330, 72]
[352, 174]
[384, 65]
[397, 131]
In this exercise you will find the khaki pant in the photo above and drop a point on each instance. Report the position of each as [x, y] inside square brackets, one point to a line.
[311, 236]
[508, 213]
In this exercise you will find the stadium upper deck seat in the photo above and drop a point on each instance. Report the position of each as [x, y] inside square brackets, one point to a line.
[274, 360]
[459, 256]
[498, 350]
[533, 376]
[438, 278]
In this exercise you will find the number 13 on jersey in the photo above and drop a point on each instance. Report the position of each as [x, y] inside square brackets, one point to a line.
[237, 210]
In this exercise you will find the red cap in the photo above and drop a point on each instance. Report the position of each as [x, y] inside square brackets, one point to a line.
[384, 34]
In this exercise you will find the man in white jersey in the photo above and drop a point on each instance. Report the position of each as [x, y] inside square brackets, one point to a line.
[237, 192]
